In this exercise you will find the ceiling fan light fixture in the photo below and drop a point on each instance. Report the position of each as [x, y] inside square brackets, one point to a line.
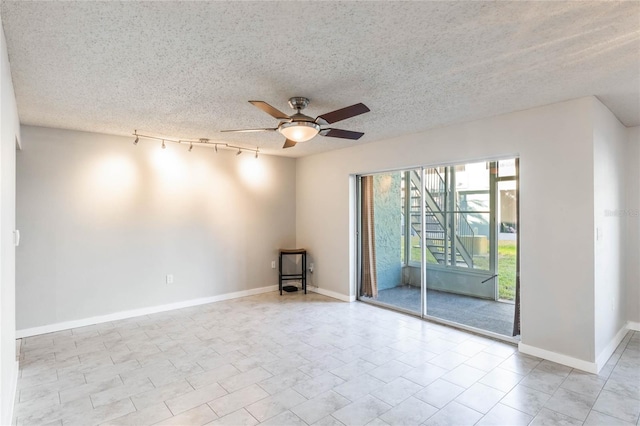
[299, 131]
[301, 128]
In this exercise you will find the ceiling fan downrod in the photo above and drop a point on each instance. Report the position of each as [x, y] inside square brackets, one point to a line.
[298, 102]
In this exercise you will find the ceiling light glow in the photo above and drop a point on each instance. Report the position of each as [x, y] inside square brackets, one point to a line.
[299, 131]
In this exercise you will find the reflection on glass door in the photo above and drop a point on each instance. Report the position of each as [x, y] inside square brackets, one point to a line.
[390, 239]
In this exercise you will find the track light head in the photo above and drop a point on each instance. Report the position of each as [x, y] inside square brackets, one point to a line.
[257, 152]
[136, 141]
[239, 151]
[164, 146]
[216, 147]
[190, 146]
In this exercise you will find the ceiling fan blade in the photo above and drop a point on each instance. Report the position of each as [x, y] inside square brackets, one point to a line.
[248, 130]
[288, 143]
[344, 113]
[275, 113]
[339, 133]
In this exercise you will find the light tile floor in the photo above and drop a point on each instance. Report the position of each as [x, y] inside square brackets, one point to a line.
[308, 360]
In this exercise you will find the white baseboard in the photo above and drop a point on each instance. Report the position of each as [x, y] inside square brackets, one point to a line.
[606, 353]
[66, 325]
[580, 364]
[632, 325]
[8, 420]
[332, 294]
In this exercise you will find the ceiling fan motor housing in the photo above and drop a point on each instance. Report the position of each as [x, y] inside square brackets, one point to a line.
[301, 128]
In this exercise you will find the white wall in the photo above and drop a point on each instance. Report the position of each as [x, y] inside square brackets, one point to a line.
[633, 226]
[9, 133]
[555, 145]
[103, 221]
[610, 148]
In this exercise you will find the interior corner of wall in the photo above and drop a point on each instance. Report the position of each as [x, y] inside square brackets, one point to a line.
[603, 357]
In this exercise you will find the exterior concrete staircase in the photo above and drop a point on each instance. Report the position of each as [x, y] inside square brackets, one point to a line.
[445, 233]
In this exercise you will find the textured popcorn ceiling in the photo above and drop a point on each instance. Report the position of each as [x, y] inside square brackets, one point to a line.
[187, 69]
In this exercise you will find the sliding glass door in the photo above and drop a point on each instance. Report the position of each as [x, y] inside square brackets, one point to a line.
[441, 242]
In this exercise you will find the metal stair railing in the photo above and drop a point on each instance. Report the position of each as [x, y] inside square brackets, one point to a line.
[435, 239]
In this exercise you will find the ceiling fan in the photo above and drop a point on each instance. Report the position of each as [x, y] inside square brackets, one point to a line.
[301, 128]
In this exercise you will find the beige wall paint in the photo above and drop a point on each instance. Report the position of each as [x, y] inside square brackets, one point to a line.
[103, 221]
[555, 146]
[9, 133]
[610, 148]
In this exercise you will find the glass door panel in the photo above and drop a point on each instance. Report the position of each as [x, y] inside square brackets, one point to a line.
[463, 285]
[390, 239]
[507, 240]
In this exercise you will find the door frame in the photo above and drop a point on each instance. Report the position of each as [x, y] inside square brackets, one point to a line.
[423, 300]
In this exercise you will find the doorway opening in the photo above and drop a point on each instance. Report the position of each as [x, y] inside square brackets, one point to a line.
[442, 243]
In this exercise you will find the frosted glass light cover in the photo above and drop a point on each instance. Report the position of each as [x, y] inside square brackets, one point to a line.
[299, 131]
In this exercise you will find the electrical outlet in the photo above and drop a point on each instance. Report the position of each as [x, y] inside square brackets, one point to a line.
[170, 279]
[311, 267]
[273, 264]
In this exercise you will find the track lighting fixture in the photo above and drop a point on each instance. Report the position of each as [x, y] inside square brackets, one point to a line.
[193, 142]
